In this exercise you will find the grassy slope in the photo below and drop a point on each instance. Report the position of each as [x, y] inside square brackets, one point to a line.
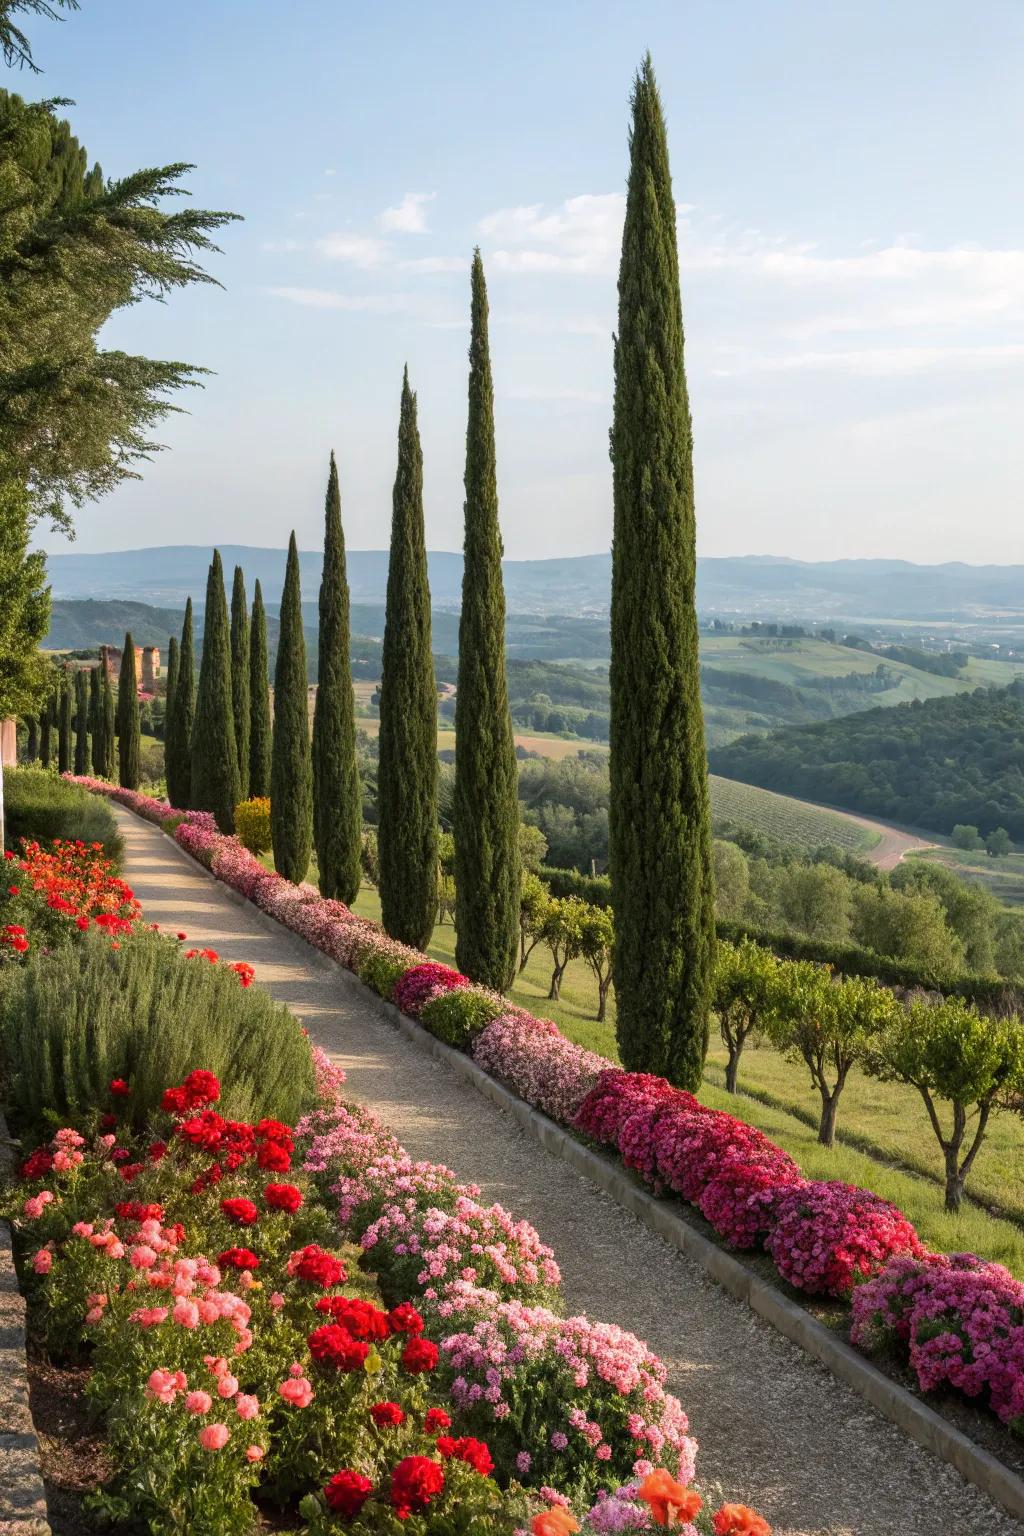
[794, 822]
[889, 1120]
[1004, 877]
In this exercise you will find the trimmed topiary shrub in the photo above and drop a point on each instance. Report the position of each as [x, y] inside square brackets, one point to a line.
[39, 806]
[252, 824]
[456, 1016]
[380, 970]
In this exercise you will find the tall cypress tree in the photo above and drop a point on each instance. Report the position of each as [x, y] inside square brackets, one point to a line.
[337, 797]
[65, 718]
[32, 744]
[109, 724]
[240, 679]
[486, 807]
[171, 683]
[45, 726]
[407, 770]
[214, 758]
[291, 777]
[181, 717]
[660, 830]
[128, 743]
[96, 720]
[259, 700]
[81, 721]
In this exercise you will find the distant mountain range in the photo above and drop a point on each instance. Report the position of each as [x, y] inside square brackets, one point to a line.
[745, 586]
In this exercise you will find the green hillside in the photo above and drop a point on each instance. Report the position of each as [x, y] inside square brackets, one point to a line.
[928, 764]
[801, 827]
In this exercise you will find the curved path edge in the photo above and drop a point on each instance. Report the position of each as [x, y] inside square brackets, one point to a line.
[915, 1418]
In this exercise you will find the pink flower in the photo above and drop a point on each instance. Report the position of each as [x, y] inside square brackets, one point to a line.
[247, 1406]
[199, 1402]
[276, 1300]
[142, 1257]
[42, 1261]
[94, 1315]
[254, 1453]
[164, 1386]
[82, 1229]
[186, 1313]
[35, 1205]
[227, 1385]
[149, 1317]
[296, 1390]
[214, 1437]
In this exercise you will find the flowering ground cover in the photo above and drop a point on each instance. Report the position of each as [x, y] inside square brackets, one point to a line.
[825, 1238]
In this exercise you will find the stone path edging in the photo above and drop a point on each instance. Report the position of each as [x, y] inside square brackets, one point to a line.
[886, 1396]
[22, 1495]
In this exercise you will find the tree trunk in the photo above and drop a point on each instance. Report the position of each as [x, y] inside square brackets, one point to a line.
[602, 999]
[954, 1179]
[829, 1111]
[732, 1068]
[556, 983]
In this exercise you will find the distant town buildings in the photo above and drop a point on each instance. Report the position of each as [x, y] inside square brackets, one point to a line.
[147, 664]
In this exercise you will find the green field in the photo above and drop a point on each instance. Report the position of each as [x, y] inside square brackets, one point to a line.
[886, 1143]
[793, 822]
[1004, 877]
[799, 662]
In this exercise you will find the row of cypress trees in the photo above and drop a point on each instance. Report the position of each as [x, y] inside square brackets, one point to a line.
[80, 709]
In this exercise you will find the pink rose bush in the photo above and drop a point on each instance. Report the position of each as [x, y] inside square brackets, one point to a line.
[536, 1060]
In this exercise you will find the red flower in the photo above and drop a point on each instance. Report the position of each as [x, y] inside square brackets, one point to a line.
[331, 1345]
[436, 1419]
[347, 1492]
[241, 1211]
[174, 1101]
[473, 1452]
[273, 1157]
[130, 1171]
[243, 971]
[360, 1318]
[317, 1267]
[419, 1355]
[138, 1210]
[405, 1319]
[414, 1482]
[119, 1088]
[238, 1258]
[205, 1130]
[283, 1197]
[202, 1087]
[157, 1151]
[37, 1164]
[740, 1520]
[384, 1414]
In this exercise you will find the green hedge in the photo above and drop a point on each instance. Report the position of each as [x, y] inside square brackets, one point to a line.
[72, 1021]
[458, 1015]
[41, 806]
[991, 994]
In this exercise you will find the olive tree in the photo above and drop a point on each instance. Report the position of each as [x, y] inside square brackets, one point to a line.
[597, 938]
[963, 1064]
[563, 934]
[747, 977]
[534, 901]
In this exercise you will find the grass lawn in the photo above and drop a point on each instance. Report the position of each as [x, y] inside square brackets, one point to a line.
[883, 1128]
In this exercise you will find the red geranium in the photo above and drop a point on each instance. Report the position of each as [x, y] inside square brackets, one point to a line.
[332, 1345]
[37, 1165]
[385, 1414]
[119, 1088]
[317, 1267]
[414, 1482]
[283, 1197]
[347, 1492]
[405, 1319]
[419, 1355]
[238, 1258]
[436, 1419]
[205, 1130]
[241, 1211]
[473, 1452]
[137, 1210]
[361, 1318]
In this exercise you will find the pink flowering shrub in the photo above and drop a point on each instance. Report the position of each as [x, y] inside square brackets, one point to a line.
[422, 982]
[535, 1059]
[826, 1236]
[617, 1095]
[957, 1319]
[576, 1404]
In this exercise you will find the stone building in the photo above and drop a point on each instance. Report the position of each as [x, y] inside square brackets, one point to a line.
[147, 664]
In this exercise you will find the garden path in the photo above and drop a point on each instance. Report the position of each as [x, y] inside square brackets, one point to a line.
[774, 1428]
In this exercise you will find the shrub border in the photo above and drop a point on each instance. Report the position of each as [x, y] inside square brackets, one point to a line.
[22, 1492]
[921, 1422]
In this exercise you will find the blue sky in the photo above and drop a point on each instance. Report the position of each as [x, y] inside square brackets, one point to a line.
[852, 251]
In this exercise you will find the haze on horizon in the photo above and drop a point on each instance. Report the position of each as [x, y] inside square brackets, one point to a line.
[852, 268]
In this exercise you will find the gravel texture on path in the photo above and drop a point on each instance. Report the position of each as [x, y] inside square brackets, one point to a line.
[774, 1428]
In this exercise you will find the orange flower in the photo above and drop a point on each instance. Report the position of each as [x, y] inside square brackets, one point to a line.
[554, 1522]
[740, 1520]
[670, 1503]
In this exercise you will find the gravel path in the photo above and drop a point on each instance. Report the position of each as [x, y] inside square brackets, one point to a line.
[774, 1428]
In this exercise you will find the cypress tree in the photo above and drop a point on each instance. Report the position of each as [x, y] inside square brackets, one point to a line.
[109, 723]
[214, 784]
[291, 778]
[128, 743]
[181, 717]
[486, 808]
[64, 720]
[172, 683]
[32, 745]
[96, 720]
[45, 724]
[259, 700]
[240, 679]
[660, 833]
[81, 722]
[407, 770]
[337, 797]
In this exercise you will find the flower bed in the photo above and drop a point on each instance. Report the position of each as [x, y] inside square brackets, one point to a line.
[825, 1238]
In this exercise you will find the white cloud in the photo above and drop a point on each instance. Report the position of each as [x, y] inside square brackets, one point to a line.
[326, 298]
[581, 235]
[359, 250]
[878, 361]
[410, 216]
